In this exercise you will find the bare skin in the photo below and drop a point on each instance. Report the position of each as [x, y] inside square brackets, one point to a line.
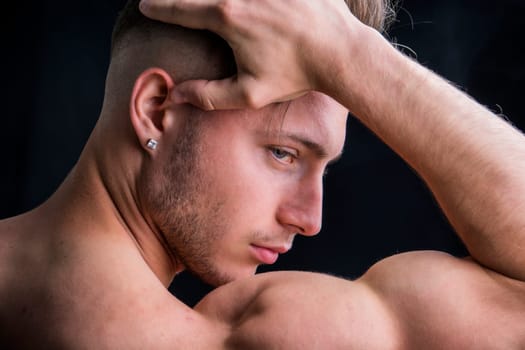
[83, 270]
[474, 165]
[89, 268]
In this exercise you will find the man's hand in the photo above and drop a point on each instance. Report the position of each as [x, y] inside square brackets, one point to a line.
[283, 49]
[472, 160]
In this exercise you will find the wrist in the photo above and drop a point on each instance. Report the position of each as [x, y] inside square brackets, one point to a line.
[370, 75]
[331, 63]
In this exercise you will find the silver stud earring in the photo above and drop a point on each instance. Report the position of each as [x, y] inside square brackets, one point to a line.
[152, 144]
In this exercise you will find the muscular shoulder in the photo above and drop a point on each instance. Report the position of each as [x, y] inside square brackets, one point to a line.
[448, 302]
[300, 310]
[409, 301]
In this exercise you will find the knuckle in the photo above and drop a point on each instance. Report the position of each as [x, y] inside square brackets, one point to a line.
[202, 97]
[225, 11]
[206, 103]
[252, 98]
[172, 12]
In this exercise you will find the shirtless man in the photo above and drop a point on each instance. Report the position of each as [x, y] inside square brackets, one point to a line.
[162, 186]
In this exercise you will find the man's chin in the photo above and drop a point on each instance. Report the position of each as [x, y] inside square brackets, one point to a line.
[220, 278]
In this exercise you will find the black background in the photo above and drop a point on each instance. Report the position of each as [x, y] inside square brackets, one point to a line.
[54, 59]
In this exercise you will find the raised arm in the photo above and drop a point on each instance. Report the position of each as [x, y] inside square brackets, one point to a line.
[473, 161]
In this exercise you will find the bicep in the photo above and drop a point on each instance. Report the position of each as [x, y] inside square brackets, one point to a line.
[444, 302]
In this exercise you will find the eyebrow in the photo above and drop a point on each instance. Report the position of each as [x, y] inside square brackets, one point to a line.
[315, 147]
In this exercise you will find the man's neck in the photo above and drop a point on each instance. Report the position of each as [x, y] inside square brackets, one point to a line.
[97, 200]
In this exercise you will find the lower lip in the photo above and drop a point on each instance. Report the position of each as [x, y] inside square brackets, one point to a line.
[264, 255]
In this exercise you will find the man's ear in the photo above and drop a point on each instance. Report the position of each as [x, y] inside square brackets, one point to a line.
[149, 105]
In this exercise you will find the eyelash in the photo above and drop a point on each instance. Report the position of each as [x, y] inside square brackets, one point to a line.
[291, 155]
[283, 154]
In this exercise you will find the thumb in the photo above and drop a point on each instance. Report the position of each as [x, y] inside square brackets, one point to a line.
[230, 93]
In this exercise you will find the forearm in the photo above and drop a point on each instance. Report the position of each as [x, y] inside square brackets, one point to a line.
[473, 161]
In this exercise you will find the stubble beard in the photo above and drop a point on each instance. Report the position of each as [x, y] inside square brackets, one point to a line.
[190, 222]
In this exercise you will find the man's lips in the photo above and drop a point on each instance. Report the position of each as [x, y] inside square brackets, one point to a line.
[268, 255]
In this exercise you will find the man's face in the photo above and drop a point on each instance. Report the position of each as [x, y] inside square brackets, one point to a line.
[239, 185]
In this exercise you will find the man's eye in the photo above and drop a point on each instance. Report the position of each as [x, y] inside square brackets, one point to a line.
[282, 155]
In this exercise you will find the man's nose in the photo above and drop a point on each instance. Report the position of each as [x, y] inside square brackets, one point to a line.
[302, 210]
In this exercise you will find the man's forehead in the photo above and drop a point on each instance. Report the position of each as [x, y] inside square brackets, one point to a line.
[313, 118]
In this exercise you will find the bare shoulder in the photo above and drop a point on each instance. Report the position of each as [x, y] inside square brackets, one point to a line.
[8, 242]
[415, 300]
[90, 298]
[450, 303]
[302, 310]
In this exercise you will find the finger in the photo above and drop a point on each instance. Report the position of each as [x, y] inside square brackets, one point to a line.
[196, 14]
[221, 94]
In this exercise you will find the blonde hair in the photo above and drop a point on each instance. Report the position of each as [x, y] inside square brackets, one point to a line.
[374, 13]
[377, 14]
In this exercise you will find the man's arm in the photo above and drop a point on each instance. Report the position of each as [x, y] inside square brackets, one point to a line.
[302, 310]
[473, 161]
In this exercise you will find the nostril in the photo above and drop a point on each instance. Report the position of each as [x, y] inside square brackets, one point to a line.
[295, 230]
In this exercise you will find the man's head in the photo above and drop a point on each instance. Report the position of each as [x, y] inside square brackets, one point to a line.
[133, 28]
[224, 191]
